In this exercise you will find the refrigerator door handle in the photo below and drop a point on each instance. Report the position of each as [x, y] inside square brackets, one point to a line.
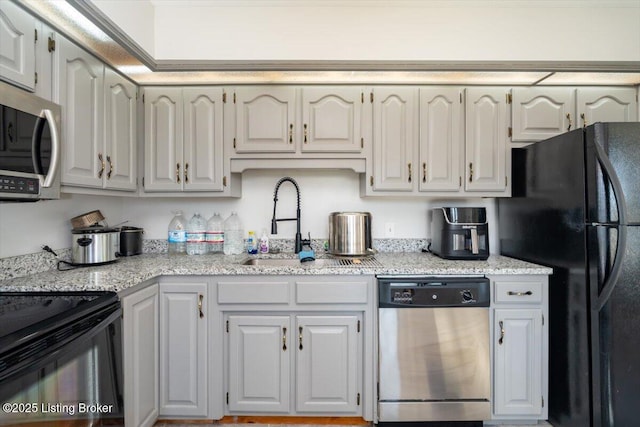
[610, 174]
[610, 283]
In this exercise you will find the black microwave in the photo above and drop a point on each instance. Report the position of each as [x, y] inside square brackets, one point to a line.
[29, 146]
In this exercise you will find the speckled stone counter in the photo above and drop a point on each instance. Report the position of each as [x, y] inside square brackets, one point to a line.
[128, 272]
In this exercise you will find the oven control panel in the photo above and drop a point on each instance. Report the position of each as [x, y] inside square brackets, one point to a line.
[461, 292]
[12, 184]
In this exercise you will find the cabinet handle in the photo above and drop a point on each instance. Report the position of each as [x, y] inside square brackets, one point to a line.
[110, 167]
[569, 118]
[584, 120]
[284, 339]
[10, 131]
[470, 172]
[200, 299]
[300, 337]
[186, 173]
[178, 173]
[101, 171]
[519, 294]
[305, 133]
[291, 133]
[501, 340]
[409, 166]
[424, 172]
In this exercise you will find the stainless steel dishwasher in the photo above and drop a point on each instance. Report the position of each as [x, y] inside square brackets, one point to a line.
[433, 343]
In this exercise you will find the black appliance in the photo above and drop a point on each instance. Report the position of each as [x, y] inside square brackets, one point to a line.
[29, 146]
[61, 358]
[460, 233]
[576, 208]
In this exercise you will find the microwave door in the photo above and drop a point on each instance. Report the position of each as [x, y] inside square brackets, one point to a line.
[46, 173]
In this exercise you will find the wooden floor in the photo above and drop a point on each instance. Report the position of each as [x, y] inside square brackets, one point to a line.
[290, 421]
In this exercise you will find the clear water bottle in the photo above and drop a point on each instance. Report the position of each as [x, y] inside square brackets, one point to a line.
[177, 239]
[233, 235]
[215, 233]
[196, 230]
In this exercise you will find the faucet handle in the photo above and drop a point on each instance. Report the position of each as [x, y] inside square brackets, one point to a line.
[307, 242]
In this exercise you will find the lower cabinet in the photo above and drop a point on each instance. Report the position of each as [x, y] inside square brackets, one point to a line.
[140, 356]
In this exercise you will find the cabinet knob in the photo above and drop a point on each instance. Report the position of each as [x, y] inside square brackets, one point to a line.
[291, 133]
[284, 339]
[300, 337]
[409, 178]
[178, 173]
[570, 123]
[110, 167]
[186, 173]
[305, 133]
[502, 332]
[101, 159]
[584, 120]
[424, 172]
[470, 172]
[519, 294]
[200, 300]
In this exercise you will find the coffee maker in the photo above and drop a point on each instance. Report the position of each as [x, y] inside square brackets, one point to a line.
[460, 233]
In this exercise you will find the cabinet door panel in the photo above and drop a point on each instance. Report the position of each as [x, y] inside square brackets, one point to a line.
[394, 136]
[80, 95]
[265, 119]
[518, 362]
[183, 349]
[17, 51]
[203, 139]
[331, 119]
[259, 363]
[163, 139]
[440, 139]
[120, 132]
[540, 113]
[327, 354]
[606, 105]
[487, 152]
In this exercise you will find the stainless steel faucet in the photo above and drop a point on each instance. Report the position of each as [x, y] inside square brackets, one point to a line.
[274, 221]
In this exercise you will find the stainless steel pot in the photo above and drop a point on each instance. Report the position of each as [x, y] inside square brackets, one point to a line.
[350, 234]
[94, 245]
[131, 241]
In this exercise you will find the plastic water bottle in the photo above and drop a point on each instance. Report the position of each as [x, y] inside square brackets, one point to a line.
[233, 235]
[215, 233]
[177, 239]
[196, 230]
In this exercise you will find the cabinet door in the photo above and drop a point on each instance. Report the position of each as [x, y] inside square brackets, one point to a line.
[203, 121]
[80, 92]
[327, 364]
[140, 347]
[259, 363]
[331, 119]
[606, 105]
[163, 139]
[17, 45]
[487, 152]
[120, 132]
[265, 120]
[44, 62]
[183, 349]
[441, 139]
[394, 138]
[518, 362]
[540, 113]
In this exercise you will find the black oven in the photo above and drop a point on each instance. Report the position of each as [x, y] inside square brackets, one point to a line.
[61, 359]
[29, 146]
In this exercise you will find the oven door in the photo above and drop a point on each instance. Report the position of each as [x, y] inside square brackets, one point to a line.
[78, 383]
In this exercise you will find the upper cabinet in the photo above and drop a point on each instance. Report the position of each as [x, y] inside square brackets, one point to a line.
[298, 121]
[17, 45]
[542, 112]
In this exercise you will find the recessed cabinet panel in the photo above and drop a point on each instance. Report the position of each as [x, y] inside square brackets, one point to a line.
[540, 113]
[441, 139]
[17, 49]
[331, 119]
[606, 105]
[265, 119]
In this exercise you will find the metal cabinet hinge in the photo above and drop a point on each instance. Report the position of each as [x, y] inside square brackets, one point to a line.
[506, 181]
[143, 98]
[234, 97]
[460, 181]
[358, 326]
[509, 98]
[227, 332]
[543, 401]
[371, 97]
[224, 97]
[361, 142]
[362, 97]
[371, 180]
[358, 399]
[36, 36]
[460, 97]
[224, 181]
[35, 78]
[510, 132]
[234, 143]
[227, 398]
[51, 45]
[143, 182]
[543, 320]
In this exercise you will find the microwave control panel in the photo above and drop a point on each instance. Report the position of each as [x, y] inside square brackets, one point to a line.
[13, 184]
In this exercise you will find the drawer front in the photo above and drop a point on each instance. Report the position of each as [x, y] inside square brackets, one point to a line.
[518, 292]
[253, 292]
[333, 292]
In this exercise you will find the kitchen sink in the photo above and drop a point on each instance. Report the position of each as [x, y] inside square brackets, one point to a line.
[321, 262]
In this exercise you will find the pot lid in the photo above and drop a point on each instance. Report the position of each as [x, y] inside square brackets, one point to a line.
[94, 230]
[127, 229]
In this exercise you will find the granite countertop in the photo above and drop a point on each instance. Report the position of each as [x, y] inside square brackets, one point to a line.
[128, 272]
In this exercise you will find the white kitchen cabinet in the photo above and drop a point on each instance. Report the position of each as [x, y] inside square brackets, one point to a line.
[140, 356]
[441, 139]
[184, 139]
[45, 46]
[487, 152]
[520, 347]
[259, 356]
[606, 104]
[542, 112]
[395, 132]
[183, 349]
[80, 90]
[327, 356]
[17, 45]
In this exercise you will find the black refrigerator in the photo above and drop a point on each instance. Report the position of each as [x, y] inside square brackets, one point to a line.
[576, 208]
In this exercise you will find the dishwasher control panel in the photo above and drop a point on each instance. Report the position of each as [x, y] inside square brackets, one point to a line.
[433, 292]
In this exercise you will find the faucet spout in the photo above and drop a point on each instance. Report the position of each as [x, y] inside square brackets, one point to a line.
[274, 220]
